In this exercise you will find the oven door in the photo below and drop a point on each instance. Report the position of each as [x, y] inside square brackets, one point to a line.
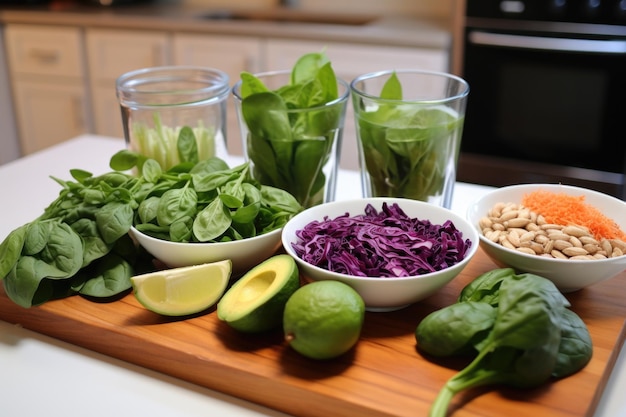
[548, 108]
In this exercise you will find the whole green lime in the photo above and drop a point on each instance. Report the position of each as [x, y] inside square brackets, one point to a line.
[323, 320]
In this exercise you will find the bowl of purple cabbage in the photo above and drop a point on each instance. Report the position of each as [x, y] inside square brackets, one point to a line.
[393, 251]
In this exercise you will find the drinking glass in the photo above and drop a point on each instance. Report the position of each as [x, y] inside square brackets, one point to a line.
[157, 102]
[409, 125]
[294, 149]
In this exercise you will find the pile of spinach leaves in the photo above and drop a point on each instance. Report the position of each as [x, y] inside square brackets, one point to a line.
[293, 132]
[519, 328]
[80, 244]
[408, 148]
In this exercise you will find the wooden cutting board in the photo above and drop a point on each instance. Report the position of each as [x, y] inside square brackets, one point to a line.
[383, 376]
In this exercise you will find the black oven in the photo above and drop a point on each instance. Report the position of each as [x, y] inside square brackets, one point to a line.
[548, 93]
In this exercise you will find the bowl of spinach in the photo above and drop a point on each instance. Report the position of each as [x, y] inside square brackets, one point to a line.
[291, 125]
[192, 213]
[205, 211]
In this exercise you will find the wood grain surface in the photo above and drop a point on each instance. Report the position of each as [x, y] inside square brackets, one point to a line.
[383, 376]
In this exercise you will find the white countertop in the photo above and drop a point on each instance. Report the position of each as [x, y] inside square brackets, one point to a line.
[43, 376]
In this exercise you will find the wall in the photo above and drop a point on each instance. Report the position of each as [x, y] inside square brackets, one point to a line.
[9, 143]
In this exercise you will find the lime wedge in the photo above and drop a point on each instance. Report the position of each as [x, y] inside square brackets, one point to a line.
[182, 291]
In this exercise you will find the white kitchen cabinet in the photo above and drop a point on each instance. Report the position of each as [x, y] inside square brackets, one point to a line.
[49, 113]
[350, 60]
[111, 53]
[63, 77]
[231, 54]
[50, 94]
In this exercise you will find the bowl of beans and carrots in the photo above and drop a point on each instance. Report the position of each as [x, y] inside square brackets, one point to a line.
[571, 235]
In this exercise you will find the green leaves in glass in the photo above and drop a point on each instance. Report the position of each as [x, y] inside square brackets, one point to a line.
[291, 131]
[407, 146]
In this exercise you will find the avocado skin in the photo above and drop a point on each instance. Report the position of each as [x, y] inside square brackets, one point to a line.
[267, 314]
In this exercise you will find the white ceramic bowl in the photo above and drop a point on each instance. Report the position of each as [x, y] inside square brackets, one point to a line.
[244, 254]
[568, 275]
[382, 294]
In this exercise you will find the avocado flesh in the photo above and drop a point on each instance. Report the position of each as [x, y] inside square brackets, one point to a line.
[255, 303]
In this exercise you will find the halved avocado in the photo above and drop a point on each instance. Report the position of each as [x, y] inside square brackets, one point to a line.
[255, 303]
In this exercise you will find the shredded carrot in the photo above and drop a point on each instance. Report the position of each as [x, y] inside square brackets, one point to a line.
[563, 209]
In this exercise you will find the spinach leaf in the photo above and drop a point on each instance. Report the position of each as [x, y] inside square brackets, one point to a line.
[576, 347]
[181, 229]
[151, 171]
[486, 287]
[107, 277]
[176, 203]
[210, 180]
[94, 247]
[251, 85]
[124, 160]
[212, 221]
[207, 166]
[306, 67]
[61, 257]
[148, 208]
[454, 330]
[392, 89]
[114, 220]
[36, 238]
[532, 336]
[26, 287]
[80, 175]
[187, 145]
[11, 249]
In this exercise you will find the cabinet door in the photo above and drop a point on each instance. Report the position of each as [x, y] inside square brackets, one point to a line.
[231, 54]
[106, 110]
[111, 53]
[349, 61]
[49, 113]
[45, 50]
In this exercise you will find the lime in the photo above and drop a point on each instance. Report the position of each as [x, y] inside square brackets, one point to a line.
[323, 320]
[182, 291]
[255, 303]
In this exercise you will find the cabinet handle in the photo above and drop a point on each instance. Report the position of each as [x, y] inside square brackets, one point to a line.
[45, 56]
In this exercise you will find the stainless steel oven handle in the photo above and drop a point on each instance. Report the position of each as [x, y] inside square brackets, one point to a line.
[547, 44]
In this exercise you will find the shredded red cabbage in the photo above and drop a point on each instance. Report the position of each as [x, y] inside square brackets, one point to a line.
[386, 244]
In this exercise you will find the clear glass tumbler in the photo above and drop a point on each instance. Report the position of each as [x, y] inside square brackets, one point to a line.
[294, 149]
[157, 102]
[409, 125]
